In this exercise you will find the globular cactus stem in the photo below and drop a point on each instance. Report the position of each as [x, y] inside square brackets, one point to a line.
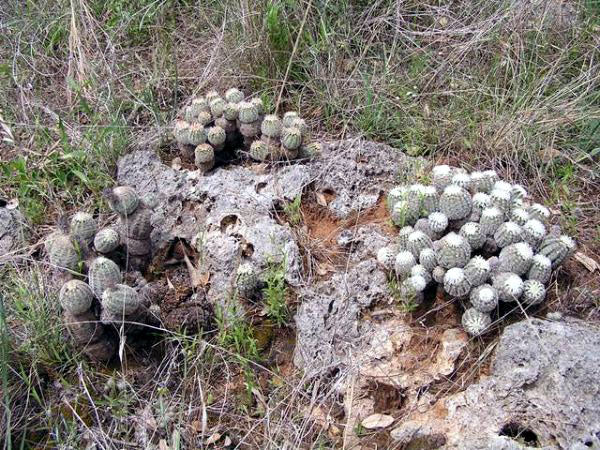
[484, 298]
[204, 157]
[122, 199]
[456, 283]
[76, 297]
[455, 202]
[103, 273]
[106, 240]
[475, 323]
[83, 227]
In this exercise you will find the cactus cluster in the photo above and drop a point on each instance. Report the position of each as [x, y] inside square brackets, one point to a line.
[87, 261]
[476, 236]
[210, 124]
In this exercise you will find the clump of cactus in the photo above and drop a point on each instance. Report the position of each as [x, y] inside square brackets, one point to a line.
[211, 124]
[478, 238]
[90, 263]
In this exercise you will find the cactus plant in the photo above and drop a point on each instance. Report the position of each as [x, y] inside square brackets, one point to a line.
[196, 134]
[557, 249]
[250, 130]
[310, 151]
[500, 198]
[438, 222]
[106, 240]
[247, 113]
[516, 258]
[508, 233]
[519, 215]
[541, 269]
[289, 117]
[481, 200]
[217, 106]
[428, 259]
[204, 118]
[396, 194]
[462, 179]
[386, 257]
[76, 297]
[137, 225]
[438, 274]
[83, 227]
[121, 299]
[534, 292]
[509, 286]
[534, 232]
[475, 322]
[456, 283]
[404, 213]
[62, 252]
[403, 263]
[455, 251]
[484, 298]
[123, 200]
[260, 151]
[471, 231]
[231, 111]
[271, 126]
[411, 289]
[234, 95]
[539, 212]
[103, 273]
[246, 280]
[259, 105]
[417, 241]
[419, 271]
[490, 221]
[442, 176]
[455, 202]
[477, 270]
[216, 136]
[291, 138]
[204, 157]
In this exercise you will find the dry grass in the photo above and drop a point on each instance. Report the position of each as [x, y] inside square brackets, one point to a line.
[476, 83]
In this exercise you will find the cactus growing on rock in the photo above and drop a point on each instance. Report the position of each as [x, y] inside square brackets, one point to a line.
[484, 298]
[103, 273]
[455, 251]
[204, 157]
[475, 322]
[455, 202]
[456, 283]
[121, 299]
[62, 252]
[83, 227]
[76, 297]
[403, 263]
[123, 200]
[106, 240]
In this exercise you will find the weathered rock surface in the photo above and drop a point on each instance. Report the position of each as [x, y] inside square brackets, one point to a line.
[12, 227]
[543, 391]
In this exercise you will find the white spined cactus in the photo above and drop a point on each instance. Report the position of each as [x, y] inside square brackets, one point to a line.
[271, 126]
[508, 233]
[197, 134]
[480, 182]
[455, 202]
[534, 232]
[386, 257]
[481, 200]
[456, 283]
[204, 157]
[403, 236]
[419, 271]
[491, 219]
[234, 95]
[455, 251]
[248, 113]
[291, 138]
[217, 106]
[475, 323]
[231, 111]
[516, 258]
[477, 270]
[181, 131]
[403, 263]
[509, 286]
[289, 117]
[501, 200]
[484, 298]
[204, 118]
[259, 105]
[429, 200]
[541, 269]
[260, 151]
[534, 292]
[428, 259]
[438, 222]
[418, 241]
[411, 289]
[404, 213]
[471, 231]
[442, 176]
[216, 136]
[396, 194]
[246, 280]
[438, 274]
[462, 179]
[539, 212]
[520, 216]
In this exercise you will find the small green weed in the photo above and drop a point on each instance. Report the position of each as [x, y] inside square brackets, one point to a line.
[293, 212]
[275, 291]
[406, 305]
[236, 334]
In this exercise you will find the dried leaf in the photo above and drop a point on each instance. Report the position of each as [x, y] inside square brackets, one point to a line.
[162, 445]
[176, 163]
[587, 262]
[213, 438]
[377, 421]
[321, 200]
[227, 442]
[12, 204]
[196, 426]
